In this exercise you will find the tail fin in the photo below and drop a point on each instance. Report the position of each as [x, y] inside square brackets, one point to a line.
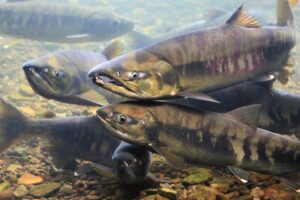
[12, 122]
[285, 14]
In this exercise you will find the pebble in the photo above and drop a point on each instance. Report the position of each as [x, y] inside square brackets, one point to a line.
[26, 90]
[6, 194]
[199, 176]
[44, 189]
[66, 190]
[168, 193]
[13, 167]
[21, 191]
[29, 179]
[27, 110]
[17, 151]
[4, 185]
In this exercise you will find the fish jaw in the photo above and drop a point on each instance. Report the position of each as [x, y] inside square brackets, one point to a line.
[138, 74]
[106, 116]
[37, 82]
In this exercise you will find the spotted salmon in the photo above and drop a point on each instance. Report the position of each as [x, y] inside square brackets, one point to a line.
[193, 64]
[185, 135]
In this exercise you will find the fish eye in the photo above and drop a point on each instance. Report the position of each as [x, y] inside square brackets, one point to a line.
[56, 73]
[122, 119]
[117, 73]
[134, 75]
[45, 69]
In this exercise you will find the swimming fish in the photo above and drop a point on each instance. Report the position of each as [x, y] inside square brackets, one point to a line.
[280, 110]
[62, 76]
[203, 61]
[72, 138]
[185, 135]
[52, 22]
[279, 113]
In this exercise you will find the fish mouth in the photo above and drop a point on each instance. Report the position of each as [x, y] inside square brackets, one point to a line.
[37, 82]
[110, 83]
[102, 80]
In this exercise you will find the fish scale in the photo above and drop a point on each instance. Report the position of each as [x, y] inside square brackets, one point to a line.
[192, 64]
[183, 134]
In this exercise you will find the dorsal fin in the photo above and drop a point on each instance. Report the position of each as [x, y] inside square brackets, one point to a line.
[247, 114]
[241, 18]
[114, 49]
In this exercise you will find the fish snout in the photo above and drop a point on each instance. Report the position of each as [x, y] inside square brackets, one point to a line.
[28, 67]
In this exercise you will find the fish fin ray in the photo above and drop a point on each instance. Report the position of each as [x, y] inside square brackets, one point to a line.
[285, 15]
[247, 114]
[93, 97]
[239, 173]
[242, 18]
[197, 96]
[114, 49]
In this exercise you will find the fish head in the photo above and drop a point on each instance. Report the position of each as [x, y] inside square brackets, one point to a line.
[130, 122]
[132, 164]
[139, 74]
[52, 76]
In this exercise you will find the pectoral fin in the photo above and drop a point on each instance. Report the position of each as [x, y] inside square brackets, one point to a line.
[197, 96]
[90, 167]
[103, 170]
[241, 174]
[93, 97]
[172, 159]
[247, 114]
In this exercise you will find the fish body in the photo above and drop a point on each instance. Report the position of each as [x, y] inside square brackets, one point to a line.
[201, 61]
[182, 134]
[60, 23]
[280, 110]
[72, 138]
[62, 76]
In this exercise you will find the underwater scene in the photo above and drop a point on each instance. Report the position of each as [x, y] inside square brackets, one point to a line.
[152, 100]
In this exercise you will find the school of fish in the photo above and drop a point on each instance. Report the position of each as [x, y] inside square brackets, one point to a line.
[198, 95]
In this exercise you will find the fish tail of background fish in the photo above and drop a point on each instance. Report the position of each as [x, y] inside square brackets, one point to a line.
[12, 125]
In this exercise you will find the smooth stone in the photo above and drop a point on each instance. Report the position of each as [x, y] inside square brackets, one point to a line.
[27, 110]
[168, 193]
[4, 185]
[26, 90]
[203, 193]
[150, 197]
[21, 191]
[44, 189]
[29, 179]
[279, 192]
[18, 151]
[66, 190]
[13, 167]
[6, 194]
[201, 176]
